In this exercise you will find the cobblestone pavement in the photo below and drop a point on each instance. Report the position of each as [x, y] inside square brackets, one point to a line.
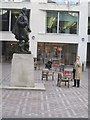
[55, 102]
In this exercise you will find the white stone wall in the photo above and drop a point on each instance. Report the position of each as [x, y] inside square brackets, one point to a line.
[83, 25]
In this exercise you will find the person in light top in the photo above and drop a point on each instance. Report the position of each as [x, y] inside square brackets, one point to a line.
[77, 72]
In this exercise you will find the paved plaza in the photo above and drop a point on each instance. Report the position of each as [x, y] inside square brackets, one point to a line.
[55, 102]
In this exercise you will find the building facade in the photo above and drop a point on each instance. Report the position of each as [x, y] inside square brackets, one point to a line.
[60, 30]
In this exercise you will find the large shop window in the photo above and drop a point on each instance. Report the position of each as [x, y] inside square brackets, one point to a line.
[4, 18]
[68, 22]
[60, 52]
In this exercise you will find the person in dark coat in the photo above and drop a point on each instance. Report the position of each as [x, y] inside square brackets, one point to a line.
[21, 30]
[74, 72]
[49, 64]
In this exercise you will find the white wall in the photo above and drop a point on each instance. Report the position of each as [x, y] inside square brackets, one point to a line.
[7, 36]
[83, 20]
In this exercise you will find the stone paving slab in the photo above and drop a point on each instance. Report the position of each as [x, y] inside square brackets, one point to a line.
[55, 102]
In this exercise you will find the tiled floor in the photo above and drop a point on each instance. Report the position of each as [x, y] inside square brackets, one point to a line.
[55, 102]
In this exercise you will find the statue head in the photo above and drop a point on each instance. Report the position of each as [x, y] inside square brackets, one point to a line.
[24, 10]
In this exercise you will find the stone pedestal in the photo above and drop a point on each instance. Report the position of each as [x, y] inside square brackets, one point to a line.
[22, 70]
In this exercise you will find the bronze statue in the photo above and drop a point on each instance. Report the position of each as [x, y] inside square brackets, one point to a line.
[21, 31]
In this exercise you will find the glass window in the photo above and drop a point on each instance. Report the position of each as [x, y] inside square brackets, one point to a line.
[88, 25]
[4, 18]
[14, 16]
[52, 22]
[68, 22]
[59, 52]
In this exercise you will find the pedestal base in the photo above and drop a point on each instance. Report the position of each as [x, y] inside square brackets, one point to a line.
[38, 86]
[22, 70]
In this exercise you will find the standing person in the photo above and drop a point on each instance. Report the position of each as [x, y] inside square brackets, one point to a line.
[77, 72]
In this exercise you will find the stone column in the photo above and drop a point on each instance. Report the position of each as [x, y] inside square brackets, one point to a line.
[22, 70]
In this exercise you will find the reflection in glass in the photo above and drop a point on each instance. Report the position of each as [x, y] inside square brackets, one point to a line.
[68, 22]
[64, 53]
[14, 16]
[4, 19]
[88, 25]
[52, 22]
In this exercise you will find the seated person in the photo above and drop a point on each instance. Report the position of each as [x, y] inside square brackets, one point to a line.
[48, 64]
